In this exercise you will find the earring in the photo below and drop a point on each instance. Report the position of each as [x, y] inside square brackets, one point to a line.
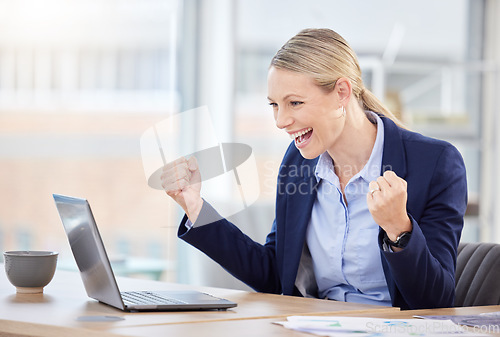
[343, 112]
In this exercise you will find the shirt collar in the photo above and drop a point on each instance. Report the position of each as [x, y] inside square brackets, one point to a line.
[372, 169]
[324, 168]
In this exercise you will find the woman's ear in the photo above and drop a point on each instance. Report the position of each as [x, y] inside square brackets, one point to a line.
[343, 89]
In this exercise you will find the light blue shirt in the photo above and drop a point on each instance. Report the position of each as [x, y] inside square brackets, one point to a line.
[343, 237]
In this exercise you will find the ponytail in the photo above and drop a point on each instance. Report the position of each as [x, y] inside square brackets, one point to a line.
[370, 102]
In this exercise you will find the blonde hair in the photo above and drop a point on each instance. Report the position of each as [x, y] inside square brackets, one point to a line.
[326, 56]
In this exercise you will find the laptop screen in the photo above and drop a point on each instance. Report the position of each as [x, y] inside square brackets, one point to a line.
[88, 249]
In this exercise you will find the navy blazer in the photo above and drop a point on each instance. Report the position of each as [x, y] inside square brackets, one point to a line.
[420, 276]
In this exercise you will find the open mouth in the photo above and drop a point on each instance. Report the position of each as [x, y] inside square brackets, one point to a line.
[302, 136]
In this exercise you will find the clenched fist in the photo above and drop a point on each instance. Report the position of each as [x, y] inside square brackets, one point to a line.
[387, 204]
[181, 180]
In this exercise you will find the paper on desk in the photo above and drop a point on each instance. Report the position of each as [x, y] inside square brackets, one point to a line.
[363, 326]
[491, 314]
[490, 320]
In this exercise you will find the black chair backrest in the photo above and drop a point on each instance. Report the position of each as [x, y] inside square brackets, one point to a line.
[477, 278]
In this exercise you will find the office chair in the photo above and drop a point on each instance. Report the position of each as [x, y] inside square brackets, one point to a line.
[477, 278]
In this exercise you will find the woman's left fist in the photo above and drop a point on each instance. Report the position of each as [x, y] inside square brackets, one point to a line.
[387, 204]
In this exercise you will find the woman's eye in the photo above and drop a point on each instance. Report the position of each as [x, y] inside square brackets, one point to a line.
[273, 105]
[296, 103]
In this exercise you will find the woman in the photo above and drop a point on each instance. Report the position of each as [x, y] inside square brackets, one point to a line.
[366, 211]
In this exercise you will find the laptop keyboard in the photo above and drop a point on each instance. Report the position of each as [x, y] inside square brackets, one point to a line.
[147, 298]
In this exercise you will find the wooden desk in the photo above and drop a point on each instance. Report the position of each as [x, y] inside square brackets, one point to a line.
[56, 312]
[64, 303]
[265, 326]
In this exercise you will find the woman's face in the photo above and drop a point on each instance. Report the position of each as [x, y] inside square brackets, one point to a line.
[312, 117]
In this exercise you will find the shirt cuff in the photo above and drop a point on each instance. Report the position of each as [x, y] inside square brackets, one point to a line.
[207, 215]
[385, 247]
[388, 248]
[188, 224]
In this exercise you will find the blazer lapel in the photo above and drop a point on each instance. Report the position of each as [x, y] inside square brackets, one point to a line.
[393, 159]
[394, 155]
[300, 200]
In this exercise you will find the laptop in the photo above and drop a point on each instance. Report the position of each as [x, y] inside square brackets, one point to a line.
[97, 274]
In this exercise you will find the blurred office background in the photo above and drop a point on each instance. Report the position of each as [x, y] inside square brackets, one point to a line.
[80, 81]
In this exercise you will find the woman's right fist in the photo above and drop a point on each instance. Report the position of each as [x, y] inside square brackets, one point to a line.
[181, 180]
